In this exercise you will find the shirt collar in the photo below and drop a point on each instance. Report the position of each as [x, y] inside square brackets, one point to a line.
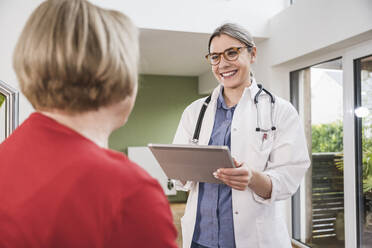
[221, 101]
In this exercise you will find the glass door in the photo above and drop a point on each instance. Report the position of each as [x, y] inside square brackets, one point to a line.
[348, 224]
[318, 206]
[363, 142]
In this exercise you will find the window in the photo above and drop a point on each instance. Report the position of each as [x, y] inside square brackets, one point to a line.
[318, 206]
[8, 110]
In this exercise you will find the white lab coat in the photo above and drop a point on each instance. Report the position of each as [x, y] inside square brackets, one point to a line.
[283, 156]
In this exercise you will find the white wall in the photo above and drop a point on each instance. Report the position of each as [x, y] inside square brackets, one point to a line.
[307, 31]
[207, 82]
[198, 15]
[13, 16]
[311, 25]
[142, 156]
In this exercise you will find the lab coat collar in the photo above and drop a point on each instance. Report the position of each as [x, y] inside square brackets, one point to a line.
[251, 90]
[216, 92]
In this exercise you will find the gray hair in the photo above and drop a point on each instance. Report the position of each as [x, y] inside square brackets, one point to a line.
[235, 31]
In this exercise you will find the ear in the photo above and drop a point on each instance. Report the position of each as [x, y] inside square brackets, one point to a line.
[253, 54]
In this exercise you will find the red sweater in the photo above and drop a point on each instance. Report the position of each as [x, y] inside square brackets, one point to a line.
[59, 189]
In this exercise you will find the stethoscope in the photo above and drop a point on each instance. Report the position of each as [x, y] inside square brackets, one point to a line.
[195, 138]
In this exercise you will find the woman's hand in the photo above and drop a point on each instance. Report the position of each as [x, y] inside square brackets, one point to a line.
[237, 178]
[242, 176]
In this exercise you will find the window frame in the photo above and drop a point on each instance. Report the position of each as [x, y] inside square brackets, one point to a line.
[11, 107]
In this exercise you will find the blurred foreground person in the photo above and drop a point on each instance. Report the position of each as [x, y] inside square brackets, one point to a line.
[60, 186]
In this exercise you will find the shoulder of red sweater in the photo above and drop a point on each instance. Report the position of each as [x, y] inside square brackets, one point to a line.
[117, 166]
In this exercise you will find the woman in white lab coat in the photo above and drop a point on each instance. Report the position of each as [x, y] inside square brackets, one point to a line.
[244, 211]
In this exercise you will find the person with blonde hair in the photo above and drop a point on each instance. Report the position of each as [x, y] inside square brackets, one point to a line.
[60, 186]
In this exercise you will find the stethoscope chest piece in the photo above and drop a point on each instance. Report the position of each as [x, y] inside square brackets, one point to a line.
[271, 98]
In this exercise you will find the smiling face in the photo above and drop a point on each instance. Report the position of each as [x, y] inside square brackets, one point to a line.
[232, 74]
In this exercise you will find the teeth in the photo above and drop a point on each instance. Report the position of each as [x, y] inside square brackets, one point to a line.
[227, 74]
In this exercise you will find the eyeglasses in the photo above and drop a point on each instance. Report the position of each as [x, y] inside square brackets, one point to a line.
[230, 54]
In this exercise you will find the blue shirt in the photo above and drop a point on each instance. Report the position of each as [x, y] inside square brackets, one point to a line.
[214, 225]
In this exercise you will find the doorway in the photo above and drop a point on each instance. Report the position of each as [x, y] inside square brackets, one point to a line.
[318, 206]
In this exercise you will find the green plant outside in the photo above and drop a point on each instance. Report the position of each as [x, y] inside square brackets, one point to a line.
[329, 138]
[367, 154]
[2, 100]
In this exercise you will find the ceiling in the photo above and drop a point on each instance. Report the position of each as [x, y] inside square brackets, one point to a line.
[165, 52]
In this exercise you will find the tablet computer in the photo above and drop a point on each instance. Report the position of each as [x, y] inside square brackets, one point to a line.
[192, 162]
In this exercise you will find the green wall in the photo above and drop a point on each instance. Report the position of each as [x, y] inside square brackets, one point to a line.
[157, 111]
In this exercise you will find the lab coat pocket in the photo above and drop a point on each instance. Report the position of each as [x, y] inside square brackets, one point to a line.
[261, 144]
[264, 141]
[272, 233]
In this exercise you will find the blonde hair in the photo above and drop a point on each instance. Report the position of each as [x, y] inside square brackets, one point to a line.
[76, 57]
